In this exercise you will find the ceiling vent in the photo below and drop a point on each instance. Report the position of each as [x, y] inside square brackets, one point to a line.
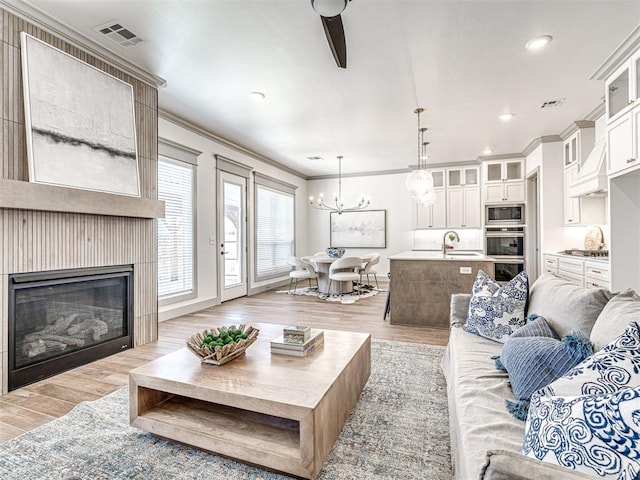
[115, 32]
[553, 103]
[314, 158]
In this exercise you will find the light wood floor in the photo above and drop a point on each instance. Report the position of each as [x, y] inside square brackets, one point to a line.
[29, 407]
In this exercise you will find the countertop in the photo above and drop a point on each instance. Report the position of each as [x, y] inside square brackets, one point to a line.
[579, 257]
[437, 255]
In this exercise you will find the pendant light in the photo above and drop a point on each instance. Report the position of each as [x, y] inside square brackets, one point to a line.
[419, 183]
[363, 202]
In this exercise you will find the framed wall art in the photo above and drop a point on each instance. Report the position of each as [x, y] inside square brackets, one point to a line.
[80, 122]
[363, 229]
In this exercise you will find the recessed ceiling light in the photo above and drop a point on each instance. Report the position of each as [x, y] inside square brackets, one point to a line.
[505, 117]
[539, 42]
[486, 151]
[257, 96]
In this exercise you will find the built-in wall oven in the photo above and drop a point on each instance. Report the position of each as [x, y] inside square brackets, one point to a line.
[506, 245]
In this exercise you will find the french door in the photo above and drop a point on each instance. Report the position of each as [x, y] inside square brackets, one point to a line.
[232, 236]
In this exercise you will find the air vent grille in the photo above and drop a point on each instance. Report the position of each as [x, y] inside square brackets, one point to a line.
[553, 103]
[314, 158]
[119, 34]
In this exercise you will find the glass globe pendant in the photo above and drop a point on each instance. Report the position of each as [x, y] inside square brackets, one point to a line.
[419, 183]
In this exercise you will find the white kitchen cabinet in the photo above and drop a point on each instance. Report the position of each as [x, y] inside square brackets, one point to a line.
[584, 272]
[463, 207]
[433, 216]
[622, 143]
[463, 177]
[503, 181]
[571, 205]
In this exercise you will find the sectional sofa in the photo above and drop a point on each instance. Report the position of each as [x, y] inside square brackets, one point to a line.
[486, 440]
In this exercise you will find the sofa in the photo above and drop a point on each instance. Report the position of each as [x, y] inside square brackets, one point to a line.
[486, 440]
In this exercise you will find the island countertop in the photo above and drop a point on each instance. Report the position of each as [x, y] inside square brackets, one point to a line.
[458, 255]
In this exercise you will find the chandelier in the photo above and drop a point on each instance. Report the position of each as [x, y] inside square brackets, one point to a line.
[363, 202]
[419, 183]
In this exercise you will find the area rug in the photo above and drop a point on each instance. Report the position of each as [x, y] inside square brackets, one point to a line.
[363, 291]
[398, 430]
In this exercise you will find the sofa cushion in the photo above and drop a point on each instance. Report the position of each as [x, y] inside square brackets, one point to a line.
[614, 318]
[496, 311]
[595, 434]
[614, 367]
[533, 362]
[507, 465]
[565, 306]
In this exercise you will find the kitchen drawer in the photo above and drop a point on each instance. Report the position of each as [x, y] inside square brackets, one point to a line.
[591, 282]
[576, 279]
[555, 271]
[597, 270]
[551, 262]
[571, 265]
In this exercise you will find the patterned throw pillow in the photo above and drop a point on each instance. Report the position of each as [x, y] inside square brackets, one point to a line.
[594, 434]
[614, 367]
[496, 311]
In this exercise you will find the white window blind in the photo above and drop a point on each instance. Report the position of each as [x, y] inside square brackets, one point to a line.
[176, 229]
[275, 232]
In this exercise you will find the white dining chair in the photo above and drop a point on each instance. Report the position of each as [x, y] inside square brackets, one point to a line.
[371, 260]
[303, 271]
[346, 269]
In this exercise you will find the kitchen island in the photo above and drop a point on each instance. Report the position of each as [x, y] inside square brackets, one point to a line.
[422, 283]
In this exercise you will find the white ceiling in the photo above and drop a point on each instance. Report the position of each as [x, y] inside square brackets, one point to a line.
[463, 61]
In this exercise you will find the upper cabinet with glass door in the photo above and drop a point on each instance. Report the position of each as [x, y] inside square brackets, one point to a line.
[503, 181]
[623, 88]
[463, 177]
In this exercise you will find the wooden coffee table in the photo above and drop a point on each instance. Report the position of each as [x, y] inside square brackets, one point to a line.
[276, 411]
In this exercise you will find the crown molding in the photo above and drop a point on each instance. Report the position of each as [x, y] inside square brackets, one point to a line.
[502, 156]
[55, 27]
[188, 125]
[536, 142]
[620, 55]
[597, 112]
[361, 174]
[575, 126]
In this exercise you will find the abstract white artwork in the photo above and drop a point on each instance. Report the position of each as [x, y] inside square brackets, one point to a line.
[80, 123]
[366, 229]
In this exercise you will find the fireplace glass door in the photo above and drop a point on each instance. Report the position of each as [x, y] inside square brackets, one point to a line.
[59, 320]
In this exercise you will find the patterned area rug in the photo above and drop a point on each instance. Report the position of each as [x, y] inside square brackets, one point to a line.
[365, 291]
[398, 430]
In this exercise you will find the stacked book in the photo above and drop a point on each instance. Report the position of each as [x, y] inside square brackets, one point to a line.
[312, 343]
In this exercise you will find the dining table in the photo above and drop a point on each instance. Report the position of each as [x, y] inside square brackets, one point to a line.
[322, 264]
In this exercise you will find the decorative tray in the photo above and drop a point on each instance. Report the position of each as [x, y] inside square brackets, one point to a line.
[213, 346]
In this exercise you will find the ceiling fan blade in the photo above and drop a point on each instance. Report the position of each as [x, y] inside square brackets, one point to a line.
[334, 31]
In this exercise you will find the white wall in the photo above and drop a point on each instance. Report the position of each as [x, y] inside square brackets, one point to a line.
[207, 254]
[386, 191]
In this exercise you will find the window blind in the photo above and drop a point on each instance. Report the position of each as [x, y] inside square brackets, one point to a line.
[275, 232]
[176, 229]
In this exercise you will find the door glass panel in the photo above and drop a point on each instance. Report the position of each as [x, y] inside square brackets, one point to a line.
[471, 176]
[638, 78]
[454, 178]
[567, 153]
[514, 170]
[494, 172]
[438, 178]
[232, 234]
[574, 149]
[618, 93]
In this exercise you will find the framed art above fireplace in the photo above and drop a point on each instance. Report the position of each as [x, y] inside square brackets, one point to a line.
[80, 122]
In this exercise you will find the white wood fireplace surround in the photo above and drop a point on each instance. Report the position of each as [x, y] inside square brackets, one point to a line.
[46, 228]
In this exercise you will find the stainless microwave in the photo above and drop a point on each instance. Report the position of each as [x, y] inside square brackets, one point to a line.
[504, 214]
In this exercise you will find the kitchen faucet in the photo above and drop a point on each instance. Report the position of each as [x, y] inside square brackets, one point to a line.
[444, 240]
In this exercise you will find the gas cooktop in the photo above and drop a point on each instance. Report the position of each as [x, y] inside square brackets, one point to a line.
[587, 253]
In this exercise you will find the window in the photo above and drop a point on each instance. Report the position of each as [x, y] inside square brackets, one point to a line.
[275, 227]
[176, 230]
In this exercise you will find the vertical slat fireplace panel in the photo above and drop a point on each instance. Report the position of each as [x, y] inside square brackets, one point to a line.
[62, 319]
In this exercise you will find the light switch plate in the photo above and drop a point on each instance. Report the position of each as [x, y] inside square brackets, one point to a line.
[465, 270]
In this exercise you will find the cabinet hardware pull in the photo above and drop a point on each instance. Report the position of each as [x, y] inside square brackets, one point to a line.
[631, 160]
[596, 271]
[630, 102]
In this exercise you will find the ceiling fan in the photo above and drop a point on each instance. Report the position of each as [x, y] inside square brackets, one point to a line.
[330, 11]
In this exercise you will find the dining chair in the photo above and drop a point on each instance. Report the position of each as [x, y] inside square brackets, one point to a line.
[303, 271]
[346, 269]
[371, 260]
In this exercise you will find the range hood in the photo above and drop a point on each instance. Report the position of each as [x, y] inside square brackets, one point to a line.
[592, 177]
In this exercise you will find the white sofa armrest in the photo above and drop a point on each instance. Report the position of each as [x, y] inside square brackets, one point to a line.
[507, 465]
[459, 309]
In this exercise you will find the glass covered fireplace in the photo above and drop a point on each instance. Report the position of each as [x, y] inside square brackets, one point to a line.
[63, 319]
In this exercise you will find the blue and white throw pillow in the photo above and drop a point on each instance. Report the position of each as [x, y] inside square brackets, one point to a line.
[496, 311]
[614, 367]
[594, 434]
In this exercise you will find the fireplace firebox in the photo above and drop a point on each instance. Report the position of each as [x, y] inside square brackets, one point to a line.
[62, 319]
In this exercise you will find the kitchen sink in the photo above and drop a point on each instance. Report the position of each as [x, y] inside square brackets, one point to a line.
[463, 254]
